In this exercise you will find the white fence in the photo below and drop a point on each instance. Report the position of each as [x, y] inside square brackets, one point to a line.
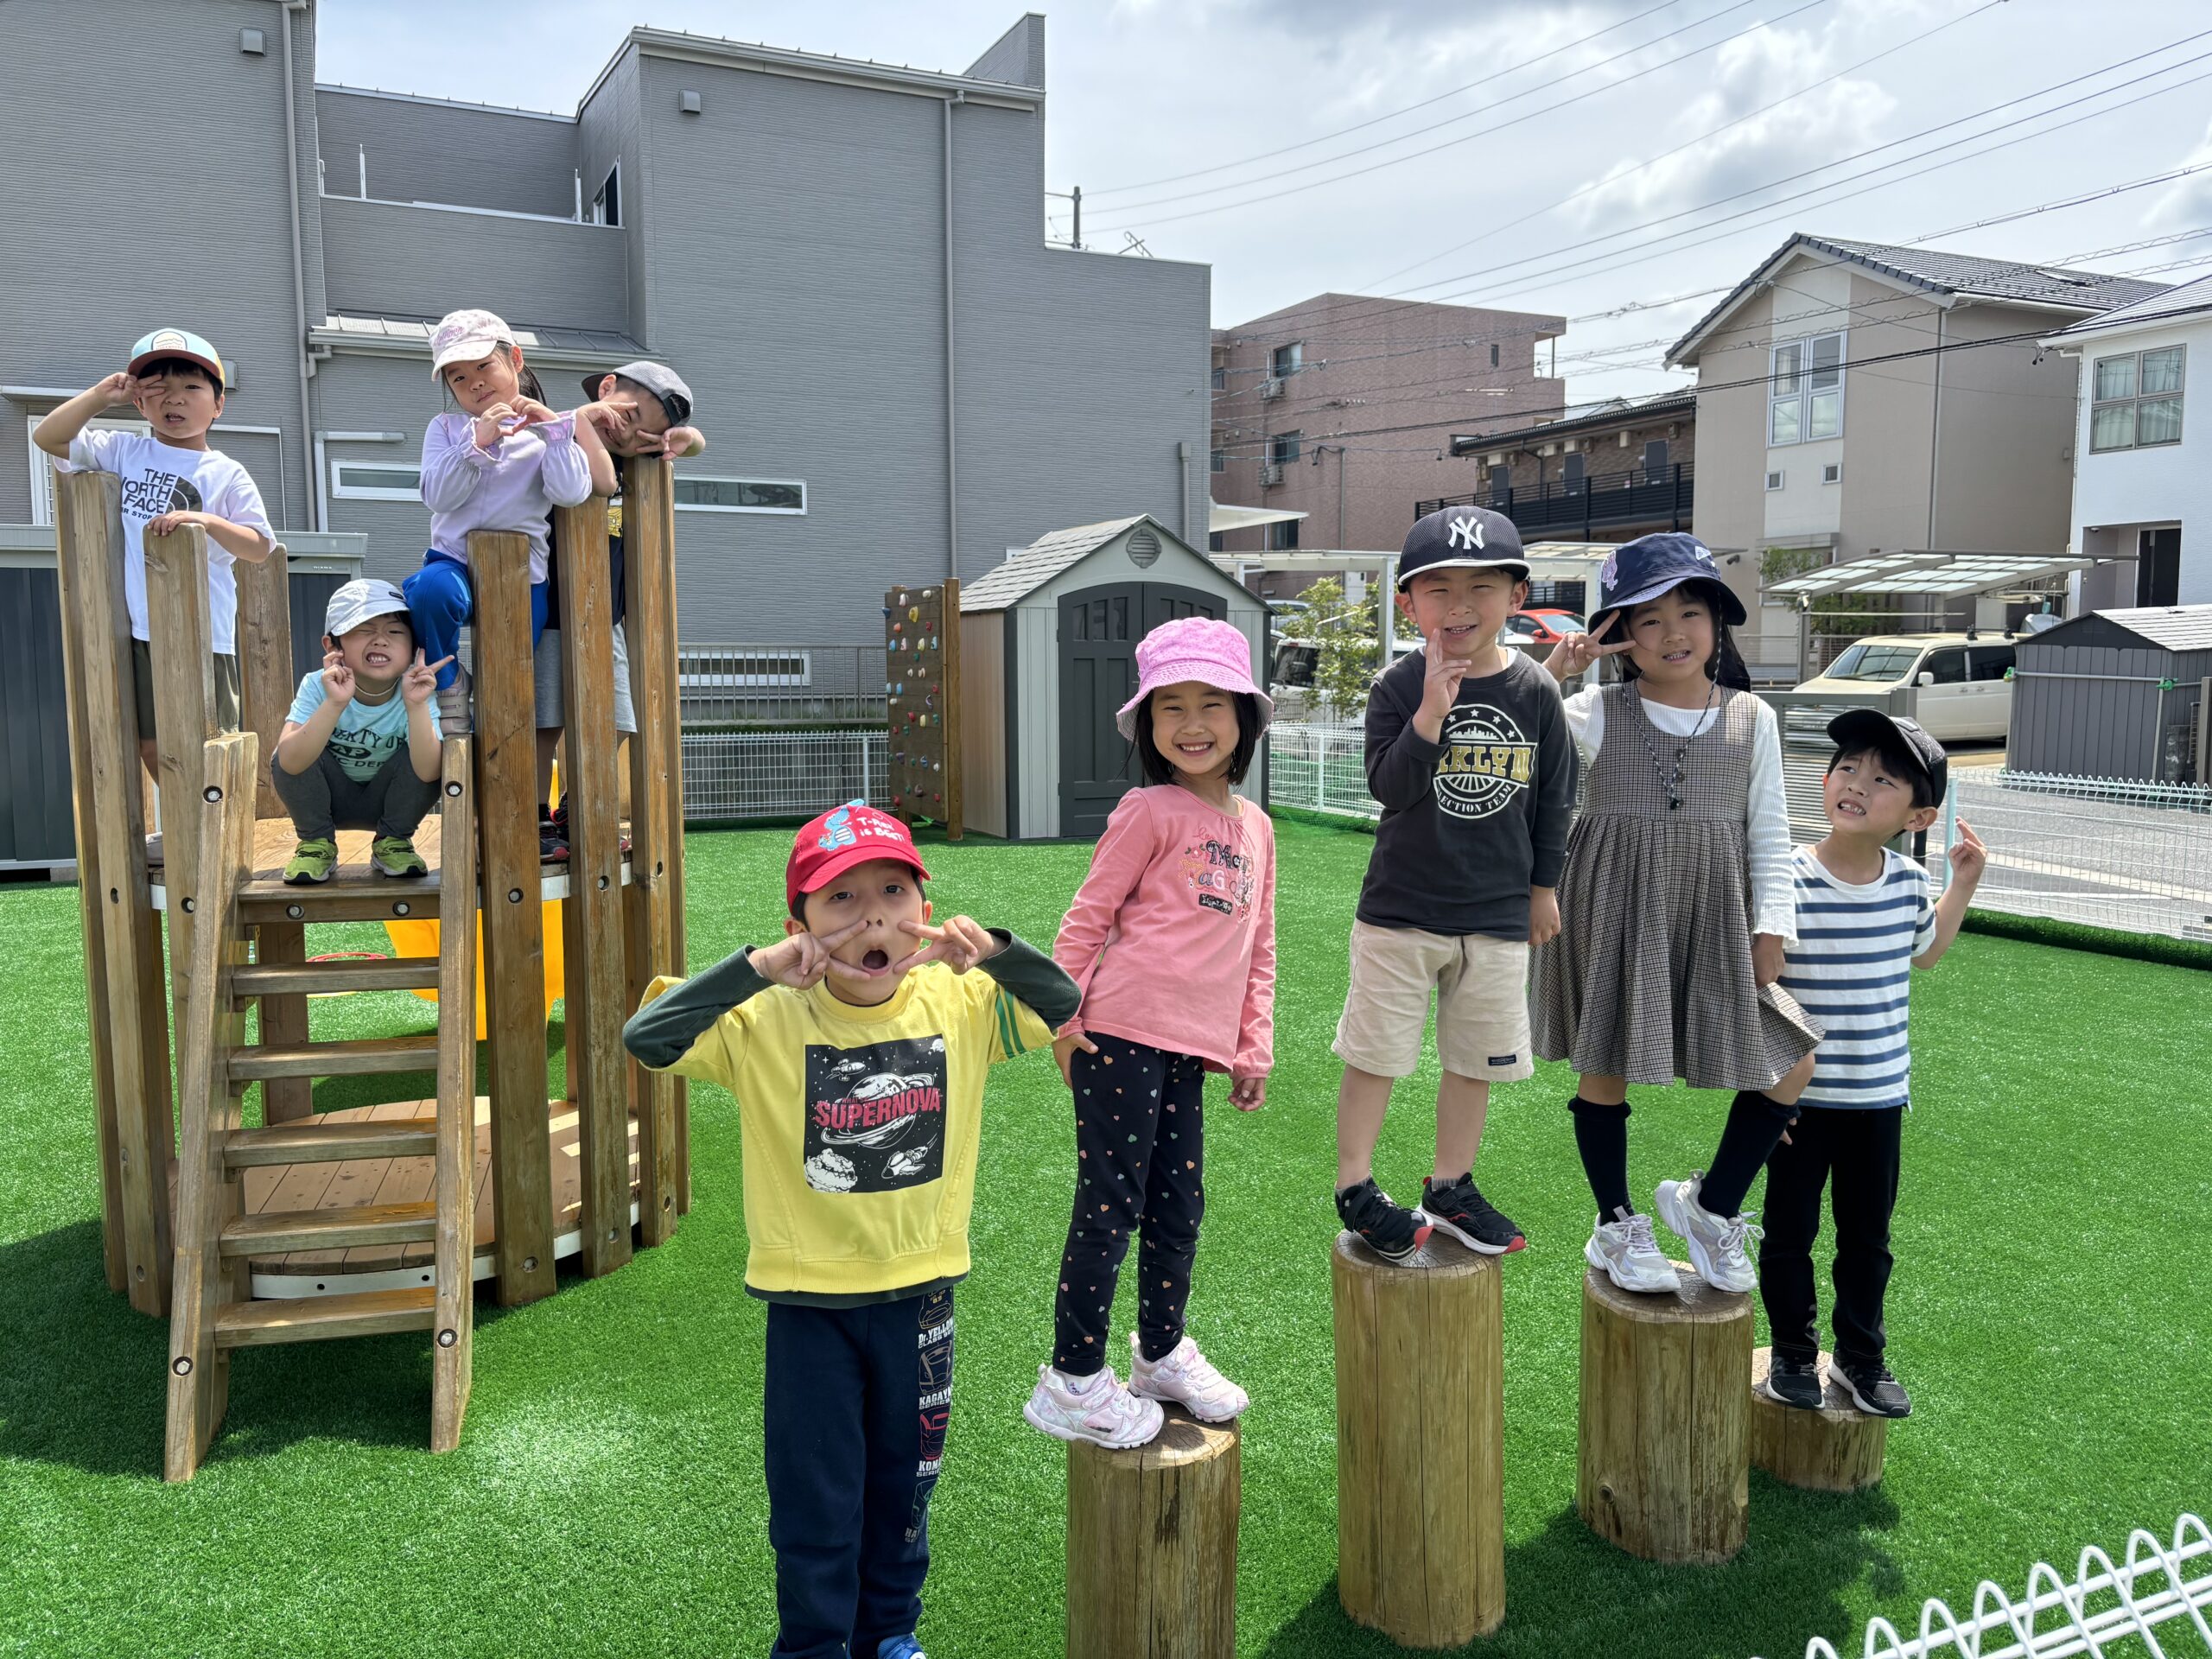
[732, 776]
[2136, 858]
[2104, 1606]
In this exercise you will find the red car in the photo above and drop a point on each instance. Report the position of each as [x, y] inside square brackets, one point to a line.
[1541, 629]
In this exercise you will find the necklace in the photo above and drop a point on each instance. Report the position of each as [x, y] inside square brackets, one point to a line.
[1672, 781]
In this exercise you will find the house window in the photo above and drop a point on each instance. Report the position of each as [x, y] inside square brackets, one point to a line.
[1654, 459]
[1493, 354]
[364, 481]
[1221, 460]
[1282, 449]
[1500, 484]
[1833, 472]
[1288, 359]
[1773, 481]
[1805, 389]
[1283, 537]
[2136, 401]
[696, 494]
[1217, 542]
[1572, 474]
[1221, 379]
[606, 205]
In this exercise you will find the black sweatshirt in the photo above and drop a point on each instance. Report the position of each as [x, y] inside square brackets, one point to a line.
[1470, 823]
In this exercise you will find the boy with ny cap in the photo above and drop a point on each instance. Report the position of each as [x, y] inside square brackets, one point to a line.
[856, 1047]
[1470, 758]
[1864, 923]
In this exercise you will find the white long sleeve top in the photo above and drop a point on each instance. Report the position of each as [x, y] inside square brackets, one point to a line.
[1766, 826]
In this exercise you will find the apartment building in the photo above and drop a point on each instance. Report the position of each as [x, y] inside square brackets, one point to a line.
[846, 260]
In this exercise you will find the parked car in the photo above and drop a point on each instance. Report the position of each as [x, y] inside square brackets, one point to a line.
[1965, 689]
[1545, 627]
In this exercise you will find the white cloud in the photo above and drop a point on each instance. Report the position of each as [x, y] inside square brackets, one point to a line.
[2186, 204]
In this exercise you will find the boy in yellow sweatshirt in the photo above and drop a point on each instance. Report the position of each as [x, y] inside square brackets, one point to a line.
[856, 1047]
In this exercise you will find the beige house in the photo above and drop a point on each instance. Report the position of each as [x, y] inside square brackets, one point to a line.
[1856, 398]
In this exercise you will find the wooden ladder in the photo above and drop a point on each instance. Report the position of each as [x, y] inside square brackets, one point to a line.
[213, 1311]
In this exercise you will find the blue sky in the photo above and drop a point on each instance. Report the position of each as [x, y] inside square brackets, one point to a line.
[1549, 186]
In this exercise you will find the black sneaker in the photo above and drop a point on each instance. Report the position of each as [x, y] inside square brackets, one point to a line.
[1794, 1383]
[552, 840]
[561, 824]
[1460, 1210]
[1391, 1230]
[1873, 1389]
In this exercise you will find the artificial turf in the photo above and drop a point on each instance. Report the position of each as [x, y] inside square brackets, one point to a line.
[2050, 1313]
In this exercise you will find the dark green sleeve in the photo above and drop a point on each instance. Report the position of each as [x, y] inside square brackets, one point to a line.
[1034, 978]
[662, 1031]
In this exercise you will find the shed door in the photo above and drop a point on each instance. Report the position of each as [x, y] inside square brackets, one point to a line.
[1099, 631]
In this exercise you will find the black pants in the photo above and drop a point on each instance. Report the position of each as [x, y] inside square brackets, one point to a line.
[856, 1401]
[323, 800]
[1140, 1163]
[1854, 1152]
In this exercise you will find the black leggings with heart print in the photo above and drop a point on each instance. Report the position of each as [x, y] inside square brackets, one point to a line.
[1140, 1163]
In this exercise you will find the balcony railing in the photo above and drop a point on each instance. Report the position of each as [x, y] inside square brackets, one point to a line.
[1661, 499]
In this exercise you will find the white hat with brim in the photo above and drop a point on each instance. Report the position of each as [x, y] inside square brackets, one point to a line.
[362, 600]
[467, 337]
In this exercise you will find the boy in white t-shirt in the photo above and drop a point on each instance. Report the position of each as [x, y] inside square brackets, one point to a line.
[361, 747]
[170, 479]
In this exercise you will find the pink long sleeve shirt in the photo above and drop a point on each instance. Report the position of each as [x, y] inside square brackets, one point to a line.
[1172, 936]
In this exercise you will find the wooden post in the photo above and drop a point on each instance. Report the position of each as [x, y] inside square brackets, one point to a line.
[178, 631]
[266, 679]
[89, 506]
[656, 838]
[514, 935]
[1838, 1448]
[453, 1322]
[1664, 1469]
[592, 914]
[283, 1017]
[1151, 1545]
[1421, 1431]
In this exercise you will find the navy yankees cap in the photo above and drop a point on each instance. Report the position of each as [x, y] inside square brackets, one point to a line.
[1474, 538]
[1869, 726]
[1640, 570]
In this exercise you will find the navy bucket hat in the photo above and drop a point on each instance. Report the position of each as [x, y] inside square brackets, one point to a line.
[1640, 570]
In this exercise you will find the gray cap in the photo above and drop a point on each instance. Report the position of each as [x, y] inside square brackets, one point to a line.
[360, 601]
[658, 379]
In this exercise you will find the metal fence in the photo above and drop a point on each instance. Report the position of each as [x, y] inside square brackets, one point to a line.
[731, 776]
[757, 685]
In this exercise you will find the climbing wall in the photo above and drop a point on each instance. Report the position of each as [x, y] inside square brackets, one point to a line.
[921, 673]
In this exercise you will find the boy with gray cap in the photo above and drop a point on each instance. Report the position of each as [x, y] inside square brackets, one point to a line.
[361, 747]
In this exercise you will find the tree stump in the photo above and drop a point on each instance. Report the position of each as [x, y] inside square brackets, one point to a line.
[1838, 1448]
[1420, 1430]
[1664, 1469]
[1151, 1545]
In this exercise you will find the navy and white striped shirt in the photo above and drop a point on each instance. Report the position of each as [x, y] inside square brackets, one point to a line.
[1851, 968]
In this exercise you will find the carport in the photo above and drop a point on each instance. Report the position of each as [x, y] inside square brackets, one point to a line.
[1931, 584]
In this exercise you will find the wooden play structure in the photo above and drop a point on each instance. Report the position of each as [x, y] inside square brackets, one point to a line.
[1421, 1434]
[313, 1223]
[1664, 1462]
[921, 674]
[1152, 1544]
[1838, 1448]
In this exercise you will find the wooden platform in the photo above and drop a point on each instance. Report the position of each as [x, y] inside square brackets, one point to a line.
[280, 1187]
[372, 895]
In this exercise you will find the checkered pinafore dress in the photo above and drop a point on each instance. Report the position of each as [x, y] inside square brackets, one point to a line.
[1651, 977]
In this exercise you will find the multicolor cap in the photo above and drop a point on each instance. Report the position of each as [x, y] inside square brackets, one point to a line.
[359, 600]
[1193, 648]
[841, 837]
[178, 342]
[467, 337]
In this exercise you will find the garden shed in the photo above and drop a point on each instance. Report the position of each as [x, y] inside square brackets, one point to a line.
[2117, 694]
[1048, 655]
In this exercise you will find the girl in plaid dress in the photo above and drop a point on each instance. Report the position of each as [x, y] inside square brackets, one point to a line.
[1674, 906]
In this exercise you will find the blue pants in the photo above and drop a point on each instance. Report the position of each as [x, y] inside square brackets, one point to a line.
[441, 597]
[856, 1401]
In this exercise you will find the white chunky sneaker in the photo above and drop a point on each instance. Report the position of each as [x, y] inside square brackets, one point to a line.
[1628, 1253]
[1716, 1241]
[1187, 1377]
[1097, 1408]
[452, 705]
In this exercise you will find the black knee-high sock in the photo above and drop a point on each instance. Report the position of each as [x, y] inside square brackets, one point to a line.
[1601, 1136]
[1754, 1129]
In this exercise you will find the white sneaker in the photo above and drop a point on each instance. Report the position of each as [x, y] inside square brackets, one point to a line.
[1187, 1377]
[452, 705]
[1628, 1253]
[1716, 1241]
[1095, 1408]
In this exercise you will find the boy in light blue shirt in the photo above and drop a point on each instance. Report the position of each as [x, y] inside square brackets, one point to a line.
[361, 747]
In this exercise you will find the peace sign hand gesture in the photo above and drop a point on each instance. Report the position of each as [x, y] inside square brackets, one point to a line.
[803, 961]
[959, 944]
[419, 679]
[1576, 651]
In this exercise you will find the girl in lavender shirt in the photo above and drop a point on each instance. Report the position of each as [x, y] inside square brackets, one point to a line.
[502, 462]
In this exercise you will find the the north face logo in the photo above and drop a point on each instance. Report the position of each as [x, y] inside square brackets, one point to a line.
[1466, 532]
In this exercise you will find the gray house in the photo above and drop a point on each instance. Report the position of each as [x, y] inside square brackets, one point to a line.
[897, 378]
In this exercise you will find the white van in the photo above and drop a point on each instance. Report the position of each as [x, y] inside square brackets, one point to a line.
[1965, 691]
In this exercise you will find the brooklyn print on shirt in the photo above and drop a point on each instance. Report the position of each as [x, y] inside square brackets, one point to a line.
[874, 1115]
[1486, 761]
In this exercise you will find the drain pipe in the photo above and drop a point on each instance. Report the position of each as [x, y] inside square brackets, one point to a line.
[318, 509]
[951, 456]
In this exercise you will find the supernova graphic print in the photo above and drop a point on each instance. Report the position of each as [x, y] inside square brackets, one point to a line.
[874, 1115]
[934, 1380]
[1487, 761]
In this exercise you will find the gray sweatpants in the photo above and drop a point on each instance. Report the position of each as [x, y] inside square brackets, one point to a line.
[323, 800]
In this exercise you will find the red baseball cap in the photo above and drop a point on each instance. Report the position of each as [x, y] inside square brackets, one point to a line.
[841, 837]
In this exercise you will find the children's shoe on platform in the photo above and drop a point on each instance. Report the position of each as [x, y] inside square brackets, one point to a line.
[1627, 1252]
[1459, 1209]
[395, 855]
[453, 707]
[1390, 1230]
[899, 1646]
[1716, 1241]
[1097, 1408]
[552, 840]
[311, 862]
[1187, 1377]
[1873, 1389]
[1792, 1382]
[561, 823]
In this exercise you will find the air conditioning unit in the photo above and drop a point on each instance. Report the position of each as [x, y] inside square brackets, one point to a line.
[1270, 473]
[1270, 389]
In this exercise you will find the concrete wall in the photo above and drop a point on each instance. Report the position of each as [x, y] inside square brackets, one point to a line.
[1017, 56]
[2120, 490]
[421, 150]
[609, 133]
[389, 260]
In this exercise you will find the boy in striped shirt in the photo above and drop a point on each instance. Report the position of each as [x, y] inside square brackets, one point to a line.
[1864, 921]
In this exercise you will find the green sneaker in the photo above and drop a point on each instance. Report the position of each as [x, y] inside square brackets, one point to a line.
[395, 855]
[312, 862]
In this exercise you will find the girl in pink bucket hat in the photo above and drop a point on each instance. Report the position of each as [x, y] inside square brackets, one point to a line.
[1172, 941]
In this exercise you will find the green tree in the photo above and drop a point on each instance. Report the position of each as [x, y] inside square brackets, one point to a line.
[1835, 615]
[1348, 641]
